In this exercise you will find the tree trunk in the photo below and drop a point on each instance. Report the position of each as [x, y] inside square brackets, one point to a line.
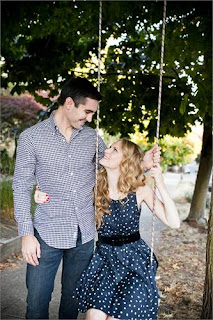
[207, 311]
[198, 203]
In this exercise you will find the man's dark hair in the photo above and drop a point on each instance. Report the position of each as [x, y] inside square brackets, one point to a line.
[78, 89]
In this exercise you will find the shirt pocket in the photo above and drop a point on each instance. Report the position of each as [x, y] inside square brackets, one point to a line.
[85, 155]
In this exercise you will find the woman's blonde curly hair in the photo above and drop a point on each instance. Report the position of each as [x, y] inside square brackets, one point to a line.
[131, 177]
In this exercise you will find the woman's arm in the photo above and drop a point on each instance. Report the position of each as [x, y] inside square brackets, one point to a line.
[165, 209]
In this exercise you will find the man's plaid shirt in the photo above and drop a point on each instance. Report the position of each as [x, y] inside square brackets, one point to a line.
[66, 172]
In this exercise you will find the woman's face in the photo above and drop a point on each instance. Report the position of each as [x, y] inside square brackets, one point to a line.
[112, 156]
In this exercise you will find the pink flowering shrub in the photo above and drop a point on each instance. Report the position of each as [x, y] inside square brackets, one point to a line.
[18, 113]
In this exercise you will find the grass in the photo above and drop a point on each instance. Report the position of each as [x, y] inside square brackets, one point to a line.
[7, 164]
[7, 210]
[7, 207]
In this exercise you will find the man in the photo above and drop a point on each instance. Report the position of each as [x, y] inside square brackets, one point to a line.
[60, 153]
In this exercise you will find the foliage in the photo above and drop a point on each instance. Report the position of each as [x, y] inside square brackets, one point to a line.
[18, 113]
[46, 39]
[109, 139]
[135, 66]
[55, 37]
[7, 164]
[175, 151]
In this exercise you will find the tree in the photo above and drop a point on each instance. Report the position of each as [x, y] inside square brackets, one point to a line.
[187, 95]
[43, 41]
[54, 37]
[207, 310]
[198, 203]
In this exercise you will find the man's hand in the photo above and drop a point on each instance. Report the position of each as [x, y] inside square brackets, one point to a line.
[31, 249]
[151, 157]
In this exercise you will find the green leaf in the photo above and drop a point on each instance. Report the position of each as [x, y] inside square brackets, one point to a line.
[184, 104]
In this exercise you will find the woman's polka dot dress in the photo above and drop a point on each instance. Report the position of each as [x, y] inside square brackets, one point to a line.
[119, 280]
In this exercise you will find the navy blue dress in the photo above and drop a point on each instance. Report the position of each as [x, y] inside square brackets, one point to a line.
[119, 279]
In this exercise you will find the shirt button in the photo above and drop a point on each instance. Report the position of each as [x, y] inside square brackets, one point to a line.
[69, 156]
[71, 173]
[74, 191]
[76, 208]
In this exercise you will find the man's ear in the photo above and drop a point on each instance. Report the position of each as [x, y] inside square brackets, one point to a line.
[69, 102]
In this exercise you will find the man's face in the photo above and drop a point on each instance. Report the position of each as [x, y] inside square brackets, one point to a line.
[78, 116]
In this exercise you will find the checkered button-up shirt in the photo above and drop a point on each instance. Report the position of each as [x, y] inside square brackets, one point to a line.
[66, 172]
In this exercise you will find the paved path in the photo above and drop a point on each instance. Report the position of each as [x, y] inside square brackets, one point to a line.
[13, 294]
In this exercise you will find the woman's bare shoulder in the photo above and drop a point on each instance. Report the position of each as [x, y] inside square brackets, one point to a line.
[142, 190]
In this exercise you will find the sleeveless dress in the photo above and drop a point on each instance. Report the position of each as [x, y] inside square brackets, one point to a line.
[119, 279]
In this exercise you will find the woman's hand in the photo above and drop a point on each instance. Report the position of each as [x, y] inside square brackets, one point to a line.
[156, 173]
[41, 197]
[151, 157]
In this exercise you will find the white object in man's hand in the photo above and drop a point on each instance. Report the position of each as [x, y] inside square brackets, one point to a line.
[31, 249]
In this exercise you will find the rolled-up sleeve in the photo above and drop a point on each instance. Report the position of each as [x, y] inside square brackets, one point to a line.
[23, 181]
[101, 149]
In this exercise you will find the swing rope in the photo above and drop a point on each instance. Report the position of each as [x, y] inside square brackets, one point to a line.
[99, 86]
[158, 124]
[158, 117]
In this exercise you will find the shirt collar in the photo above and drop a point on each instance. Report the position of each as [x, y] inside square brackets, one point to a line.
[54, 126]
[52, 122]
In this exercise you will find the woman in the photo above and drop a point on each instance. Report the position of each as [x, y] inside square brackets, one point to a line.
[120, 280]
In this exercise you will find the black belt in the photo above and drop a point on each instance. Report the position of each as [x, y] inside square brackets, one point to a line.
[119, 240]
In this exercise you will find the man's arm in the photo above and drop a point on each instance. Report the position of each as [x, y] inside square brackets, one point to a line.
[102, 147]
[23, 181]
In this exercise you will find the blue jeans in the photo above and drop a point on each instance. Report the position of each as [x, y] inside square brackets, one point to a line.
[40, 279]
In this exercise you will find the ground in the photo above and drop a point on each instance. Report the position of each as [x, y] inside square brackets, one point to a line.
[182, 271]
[8, 228]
